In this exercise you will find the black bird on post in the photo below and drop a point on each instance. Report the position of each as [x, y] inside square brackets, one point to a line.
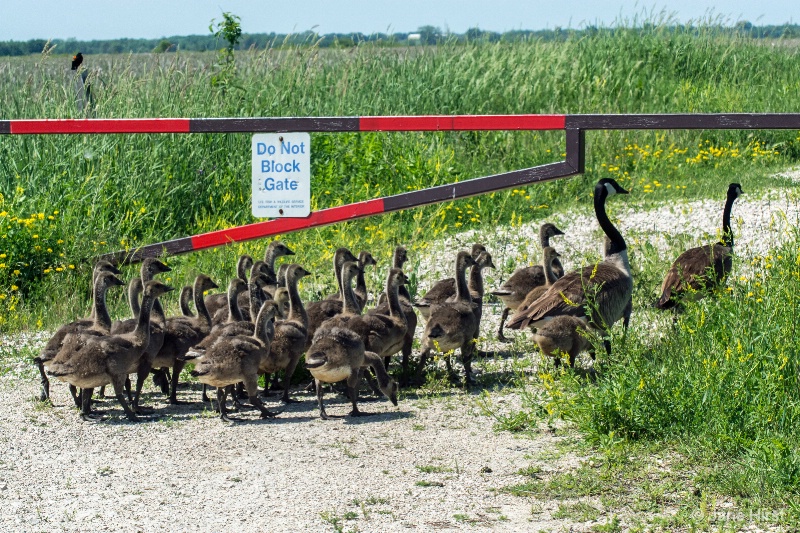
[83, 90]
[77, 59]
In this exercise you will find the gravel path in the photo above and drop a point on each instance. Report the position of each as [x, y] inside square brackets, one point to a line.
[432, 463]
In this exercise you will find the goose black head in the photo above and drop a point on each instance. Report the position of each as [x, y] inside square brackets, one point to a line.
[734, 190]
[609, 186]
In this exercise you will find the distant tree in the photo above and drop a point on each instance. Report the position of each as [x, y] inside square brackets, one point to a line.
[229, 29]
[162, 46]
[474, 34]
[429, 34]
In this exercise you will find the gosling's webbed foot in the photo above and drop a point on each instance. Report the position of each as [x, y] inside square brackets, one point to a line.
[228, 420]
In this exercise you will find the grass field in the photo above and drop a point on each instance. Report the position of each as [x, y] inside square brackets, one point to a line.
[723, 389]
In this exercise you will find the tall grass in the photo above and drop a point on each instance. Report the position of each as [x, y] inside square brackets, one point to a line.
[119, 191]
[724, 379]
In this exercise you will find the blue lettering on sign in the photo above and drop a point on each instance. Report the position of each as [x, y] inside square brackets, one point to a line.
[271, 184]
[262, 149]
[268, 166]
[289, 148]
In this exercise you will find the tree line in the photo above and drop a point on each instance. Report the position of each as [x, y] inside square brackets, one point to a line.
[425, 35]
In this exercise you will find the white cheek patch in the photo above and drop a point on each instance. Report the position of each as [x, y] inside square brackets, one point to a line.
[610, 189]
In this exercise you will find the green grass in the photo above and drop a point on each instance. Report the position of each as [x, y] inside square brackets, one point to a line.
[117, 191]
[721, 387]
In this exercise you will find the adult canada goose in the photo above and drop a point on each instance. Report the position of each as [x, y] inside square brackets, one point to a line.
[338, 354]
[215, 302]
[320, 311]
[399, 258]
[101, 323]
[89, 361]
[604, 288]
[289, 341]
[446, 288]
[525, 279]
[563, 335]
[452, 324]
[549, 255]
[698, 270]
[183, 332]
[237, 358]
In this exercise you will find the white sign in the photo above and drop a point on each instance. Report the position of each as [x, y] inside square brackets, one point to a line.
[281, 175]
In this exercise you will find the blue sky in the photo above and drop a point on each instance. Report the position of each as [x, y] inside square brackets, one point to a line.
[110, 19]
